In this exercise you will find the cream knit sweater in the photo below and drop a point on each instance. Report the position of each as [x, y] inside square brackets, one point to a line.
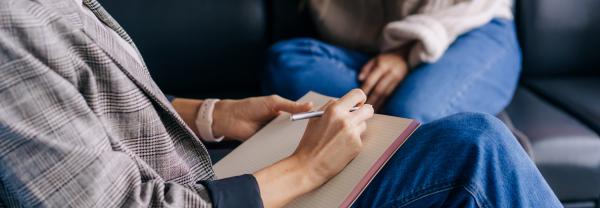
[384, 25]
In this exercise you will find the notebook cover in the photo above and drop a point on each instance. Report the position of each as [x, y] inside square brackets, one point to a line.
[248, 158]
[378, 165]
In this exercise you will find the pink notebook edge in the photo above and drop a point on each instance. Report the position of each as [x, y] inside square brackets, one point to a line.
[381, 161]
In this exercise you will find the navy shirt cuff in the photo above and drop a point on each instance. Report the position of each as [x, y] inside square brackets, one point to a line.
[238, 191]
[170, 98]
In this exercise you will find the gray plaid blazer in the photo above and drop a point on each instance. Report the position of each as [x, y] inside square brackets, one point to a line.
[82, 124]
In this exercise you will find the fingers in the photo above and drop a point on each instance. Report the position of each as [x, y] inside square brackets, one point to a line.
[282, 104]
[367, 68]
[353, 98]
[362, 127]
[376, 74]
[382, 91]
[362, 114]
[329, 103]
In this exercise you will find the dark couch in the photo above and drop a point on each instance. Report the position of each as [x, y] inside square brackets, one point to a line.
[207, 48]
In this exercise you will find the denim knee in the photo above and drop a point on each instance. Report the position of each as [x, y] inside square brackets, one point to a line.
[476, 132]
[296, 46]
[407, 109]
[286, 54]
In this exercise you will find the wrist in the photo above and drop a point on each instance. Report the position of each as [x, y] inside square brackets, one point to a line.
[187, 110]
[309, 169]
[307, 176]
[284, 181]
[220, 118]
[204, 121]
[401, 53]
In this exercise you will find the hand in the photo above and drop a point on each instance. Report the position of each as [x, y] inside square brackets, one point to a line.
[327, 146]
[240, 119]
[381, 75]
[332, 141]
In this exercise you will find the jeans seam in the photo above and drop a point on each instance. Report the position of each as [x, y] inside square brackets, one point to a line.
[422, 192]
[450, 187]
[460, 93]
[324, 51]
[480, 199]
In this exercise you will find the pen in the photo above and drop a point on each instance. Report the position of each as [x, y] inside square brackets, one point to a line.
[311, 114]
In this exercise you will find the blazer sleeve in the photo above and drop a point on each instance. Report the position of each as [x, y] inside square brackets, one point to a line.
[438, 24]
[56, 152]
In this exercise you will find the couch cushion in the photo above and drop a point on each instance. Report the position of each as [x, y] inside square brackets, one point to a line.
[565, 150]
[580, 96]
[197, 47]
[559, 37]
[290, 19]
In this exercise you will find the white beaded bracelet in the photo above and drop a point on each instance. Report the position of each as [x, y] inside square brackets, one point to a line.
[204, 121]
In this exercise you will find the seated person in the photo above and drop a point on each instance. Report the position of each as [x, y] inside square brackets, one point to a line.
[422, 59]
[82, 124]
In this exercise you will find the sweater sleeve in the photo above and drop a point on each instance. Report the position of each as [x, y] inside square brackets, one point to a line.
[436, 26]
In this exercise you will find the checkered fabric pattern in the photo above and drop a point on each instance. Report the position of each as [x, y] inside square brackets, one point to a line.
[82, 124]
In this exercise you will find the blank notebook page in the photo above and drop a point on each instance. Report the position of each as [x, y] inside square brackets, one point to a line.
[281, 136]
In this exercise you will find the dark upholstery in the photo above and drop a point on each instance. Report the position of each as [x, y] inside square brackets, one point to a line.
[559, 37]
[198, 48]
[579, 96]
[558, 105]
[211, 48]
[565, 149]
[289, 19]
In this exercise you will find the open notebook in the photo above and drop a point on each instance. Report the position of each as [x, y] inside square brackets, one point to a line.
[279, 139]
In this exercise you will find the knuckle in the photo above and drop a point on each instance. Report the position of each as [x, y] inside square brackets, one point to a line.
[398, 73]
[346, 124]
[335, 120]
[363, 96]
[329, 113]
[333, 103]
[370, 110]
[360, 93]
[333, 110]
[341, 124]
[354, 136]
[347, 133]
[274, 97]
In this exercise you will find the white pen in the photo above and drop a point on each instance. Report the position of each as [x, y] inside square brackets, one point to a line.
[311, 114]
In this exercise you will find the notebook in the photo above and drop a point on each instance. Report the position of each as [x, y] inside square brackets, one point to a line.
[279, 139]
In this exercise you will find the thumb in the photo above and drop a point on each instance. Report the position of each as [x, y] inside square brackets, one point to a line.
[289, 106]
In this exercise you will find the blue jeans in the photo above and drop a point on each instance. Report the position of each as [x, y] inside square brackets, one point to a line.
[478, 73]
[464, 160]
